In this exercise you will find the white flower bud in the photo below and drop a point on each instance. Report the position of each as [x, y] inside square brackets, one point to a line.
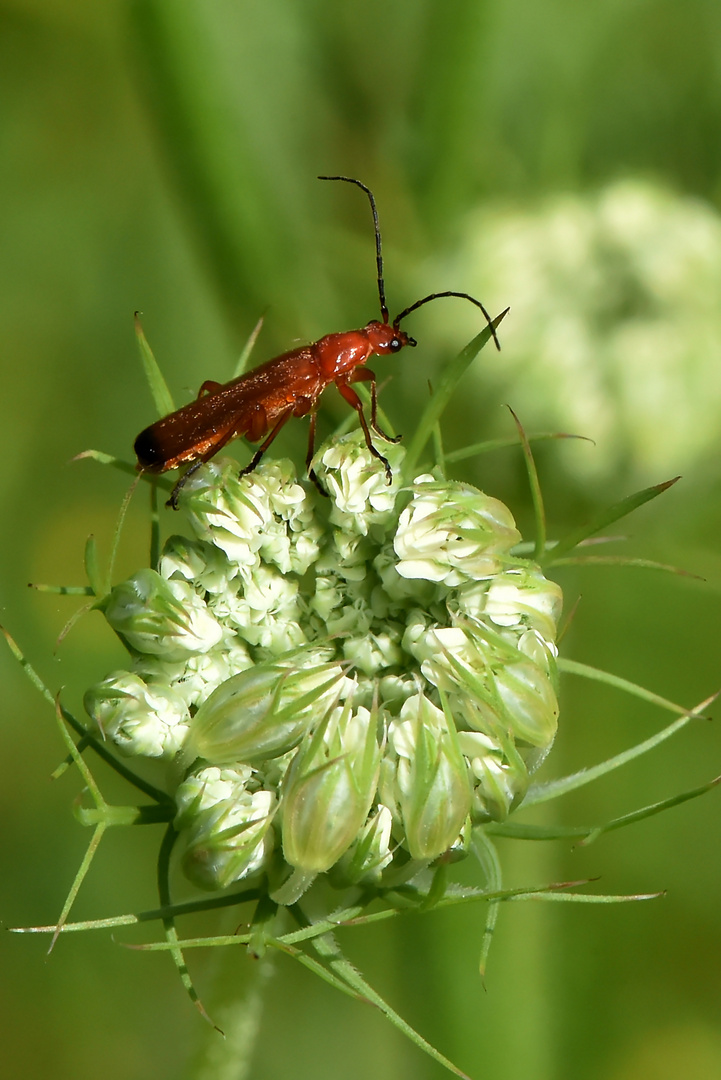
[451, 533]
[140, 718]
[164, 618]
[198, 563]
[263, 514]
[498, 783]
[358, 485]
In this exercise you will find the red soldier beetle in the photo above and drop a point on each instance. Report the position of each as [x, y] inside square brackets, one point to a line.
[259, 403]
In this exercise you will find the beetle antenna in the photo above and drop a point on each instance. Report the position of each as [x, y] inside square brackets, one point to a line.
[379, 256]
[463, 296]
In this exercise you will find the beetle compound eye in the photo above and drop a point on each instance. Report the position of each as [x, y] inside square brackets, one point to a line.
[395, 344]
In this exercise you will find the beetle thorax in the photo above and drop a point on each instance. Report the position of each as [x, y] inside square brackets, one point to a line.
[338, 353]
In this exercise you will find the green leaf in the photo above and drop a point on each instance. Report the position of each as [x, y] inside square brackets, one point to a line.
[327, 948]
[536, 496]
[158, 386]
[107, 459]
[555, 788]
[100, 828]
[650, 810]
[171, 935]
[108, 582]
[154, 527]
[490, 864]
[63, 590]
[175, 910]
[605, 518]
[624, 560]
[74, 618]
[487, 445]
[27, 667]
[450, 377]
[92, 566]
[586, 671]
[587, 834]
[591, 898]
[244, 357]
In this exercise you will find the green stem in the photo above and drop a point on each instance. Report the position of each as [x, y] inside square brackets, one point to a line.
[236, 1003]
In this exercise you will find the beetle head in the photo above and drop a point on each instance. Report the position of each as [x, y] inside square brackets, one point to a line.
[387, 339]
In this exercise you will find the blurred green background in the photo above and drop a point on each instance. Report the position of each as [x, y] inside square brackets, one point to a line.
[559, 157]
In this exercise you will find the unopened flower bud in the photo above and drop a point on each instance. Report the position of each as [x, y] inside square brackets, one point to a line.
[228, 826]
[264, 514]
[432, 789]
[494, 685]
[450, 533]
[357, 483]
[197, 562]
[264, 711]
[530, 707]
[370, 853]
[164, 618]
[330, 788]
[140, 718]
[499, 780]
[520, 596]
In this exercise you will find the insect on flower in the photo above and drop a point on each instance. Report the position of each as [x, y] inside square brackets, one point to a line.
[260, 402]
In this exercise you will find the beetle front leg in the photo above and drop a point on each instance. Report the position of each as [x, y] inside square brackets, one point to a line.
[355, 402]
[366, 375]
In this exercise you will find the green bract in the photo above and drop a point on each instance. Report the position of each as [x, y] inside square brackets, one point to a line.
[349, 684]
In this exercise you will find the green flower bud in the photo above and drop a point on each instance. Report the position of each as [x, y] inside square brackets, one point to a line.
[499, 780]
[150, 720]
[529, 704]
[393, 690]
[264, 711]
[493, 686]
[432, 789]
[328, 596]
[164, 618]
[228, 826]
[329, 789]
[450, 533]
[370, 852]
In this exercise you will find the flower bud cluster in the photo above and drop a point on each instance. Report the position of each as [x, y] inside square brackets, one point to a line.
[347, 686]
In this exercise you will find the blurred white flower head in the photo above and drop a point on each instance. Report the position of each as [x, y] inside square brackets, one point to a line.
[615, 324]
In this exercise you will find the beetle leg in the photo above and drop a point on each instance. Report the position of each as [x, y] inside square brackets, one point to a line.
[209, 387]
[225, 438]
[355, 402]
[362, 374]
[266, 442]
